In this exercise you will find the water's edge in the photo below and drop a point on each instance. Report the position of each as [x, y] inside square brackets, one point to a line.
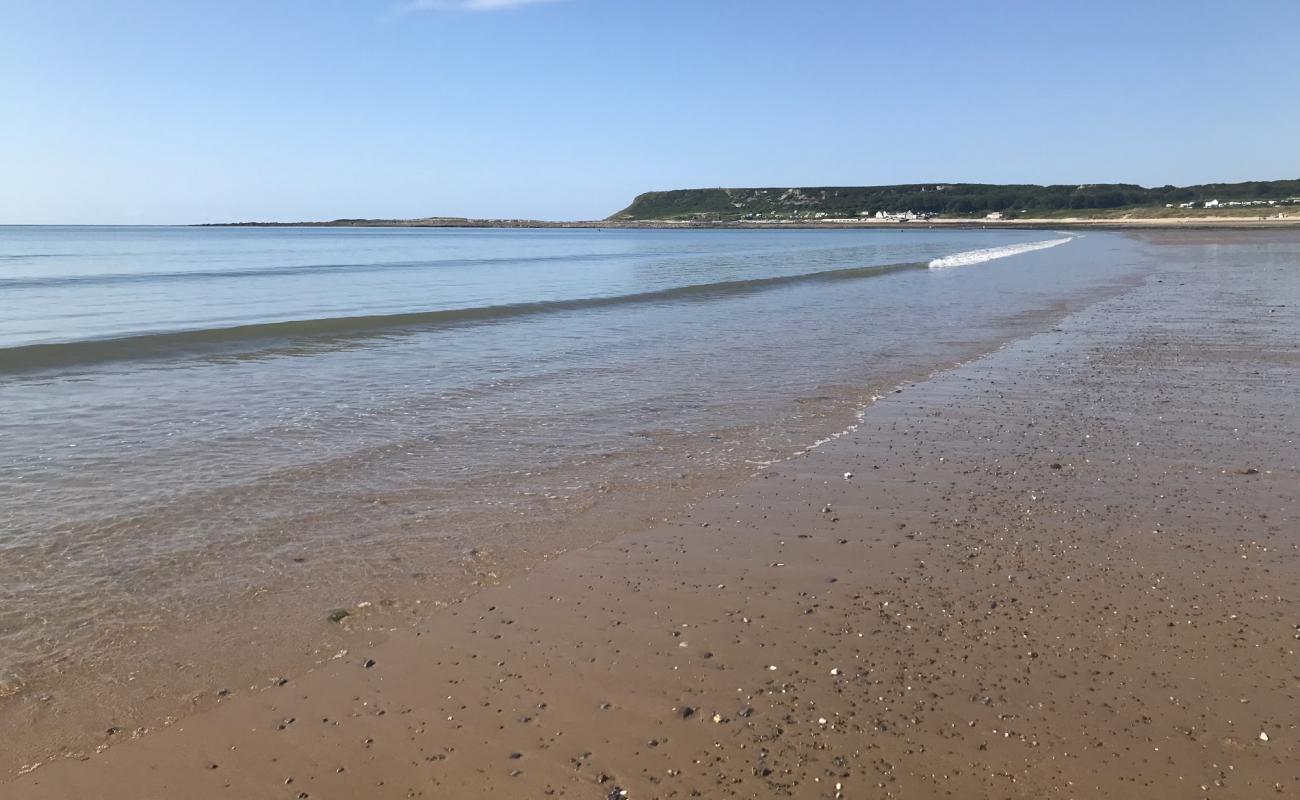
[619, 509]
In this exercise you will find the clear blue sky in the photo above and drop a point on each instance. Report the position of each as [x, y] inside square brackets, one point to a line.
[177, 111]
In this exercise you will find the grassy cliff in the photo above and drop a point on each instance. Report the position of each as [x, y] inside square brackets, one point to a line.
[946, 199]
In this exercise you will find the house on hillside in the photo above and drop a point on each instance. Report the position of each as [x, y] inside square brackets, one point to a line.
[902, 216]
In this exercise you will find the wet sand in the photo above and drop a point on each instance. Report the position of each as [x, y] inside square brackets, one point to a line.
[1066, 569]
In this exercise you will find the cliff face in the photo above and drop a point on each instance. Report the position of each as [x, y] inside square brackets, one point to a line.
[938, 198]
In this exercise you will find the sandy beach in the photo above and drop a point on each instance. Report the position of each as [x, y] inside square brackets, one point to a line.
[1066, 569]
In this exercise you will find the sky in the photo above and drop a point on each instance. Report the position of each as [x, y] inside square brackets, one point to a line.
[182, 111]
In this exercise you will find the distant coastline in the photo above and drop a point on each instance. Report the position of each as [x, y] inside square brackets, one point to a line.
[1098, 223]
[1250, 204]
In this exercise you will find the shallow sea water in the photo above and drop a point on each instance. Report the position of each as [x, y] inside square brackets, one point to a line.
[209, 433]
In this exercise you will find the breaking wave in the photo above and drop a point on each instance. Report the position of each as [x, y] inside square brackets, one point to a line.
[990, 253]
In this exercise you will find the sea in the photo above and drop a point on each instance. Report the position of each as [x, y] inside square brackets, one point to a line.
[213, 439]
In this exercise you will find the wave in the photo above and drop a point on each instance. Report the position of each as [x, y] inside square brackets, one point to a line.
[268, 338]
[990, 253]
[31, 256]
[114, 278]
[289, 270]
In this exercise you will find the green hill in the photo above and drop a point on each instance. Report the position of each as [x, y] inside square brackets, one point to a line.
[945, 199]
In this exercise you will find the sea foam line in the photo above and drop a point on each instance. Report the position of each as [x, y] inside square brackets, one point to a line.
[989, 253]
[861, 412]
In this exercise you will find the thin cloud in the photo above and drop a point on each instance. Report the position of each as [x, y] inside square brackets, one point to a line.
[468, 5]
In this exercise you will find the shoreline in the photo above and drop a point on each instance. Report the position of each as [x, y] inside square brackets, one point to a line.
[797, 566]
[1068, 223]
[179, 679]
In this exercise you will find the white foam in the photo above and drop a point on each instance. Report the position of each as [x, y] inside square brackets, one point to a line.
[989, 253]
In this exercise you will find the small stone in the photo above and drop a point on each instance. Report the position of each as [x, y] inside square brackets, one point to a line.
[686, 712]
[848, 475]
[370, 662]
[1263, 737]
